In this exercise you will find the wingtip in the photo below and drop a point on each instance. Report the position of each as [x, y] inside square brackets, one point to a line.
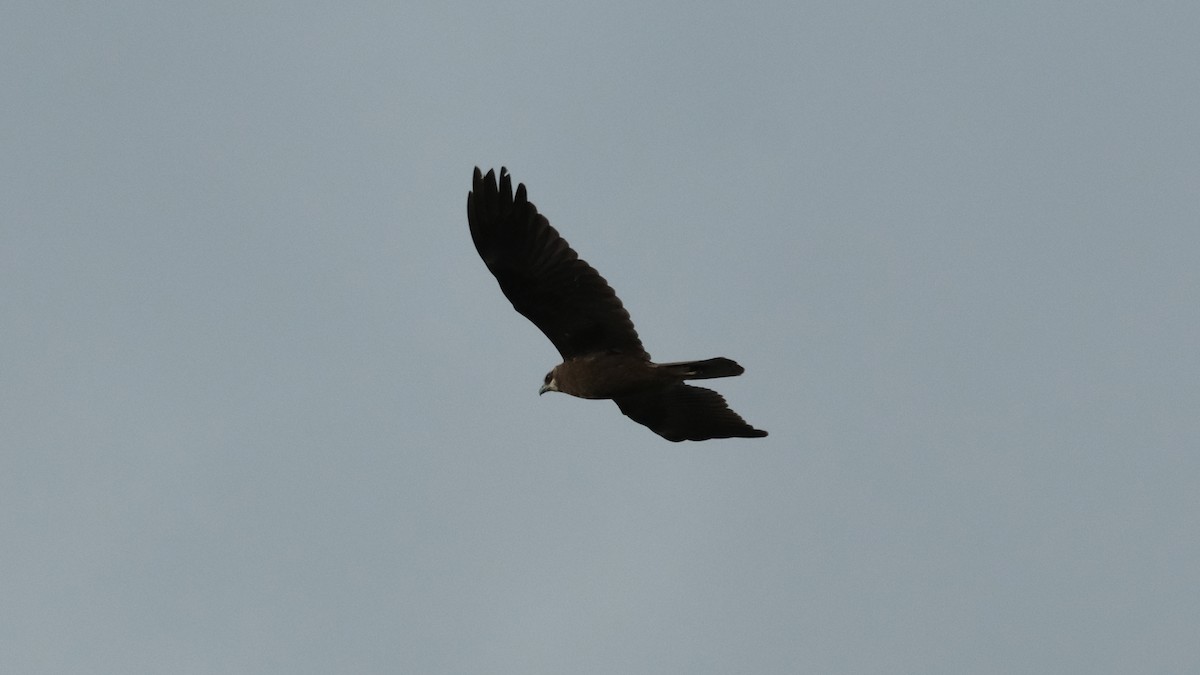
[503, 184]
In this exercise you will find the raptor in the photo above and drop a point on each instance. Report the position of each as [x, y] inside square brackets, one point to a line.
[574, 306]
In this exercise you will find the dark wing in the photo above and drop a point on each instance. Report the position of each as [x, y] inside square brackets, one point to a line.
[682, 412]
[543, 278]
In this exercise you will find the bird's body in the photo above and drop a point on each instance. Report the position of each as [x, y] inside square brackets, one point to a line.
[612, 375]
[605, 375]
[573, 305]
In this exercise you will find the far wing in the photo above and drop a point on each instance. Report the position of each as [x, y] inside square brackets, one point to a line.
[685, 413]
[542, 276]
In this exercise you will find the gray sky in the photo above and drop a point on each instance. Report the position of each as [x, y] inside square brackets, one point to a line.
[265, 411]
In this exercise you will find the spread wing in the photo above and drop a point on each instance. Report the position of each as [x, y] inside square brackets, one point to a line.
[682, 412]
[543, 278]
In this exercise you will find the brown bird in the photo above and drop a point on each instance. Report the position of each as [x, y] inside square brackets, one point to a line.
[572, 304]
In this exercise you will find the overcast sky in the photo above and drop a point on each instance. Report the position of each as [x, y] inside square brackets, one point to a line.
[264, 410]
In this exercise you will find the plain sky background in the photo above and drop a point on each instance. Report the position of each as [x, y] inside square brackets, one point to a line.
[263, 409]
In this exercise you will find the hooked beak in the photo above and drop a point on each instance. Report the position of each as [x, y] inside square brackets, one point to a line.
[544, 388]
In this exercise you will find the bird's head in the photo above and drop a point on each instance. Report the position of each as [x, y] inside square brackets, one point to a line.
[549, 383]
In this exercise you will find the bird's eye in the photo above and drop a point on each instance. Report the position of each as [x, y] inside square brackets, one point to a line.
[546, 380]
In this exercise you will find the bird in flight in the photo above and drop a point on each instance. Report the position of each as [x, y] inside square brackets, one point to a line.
[574, 306]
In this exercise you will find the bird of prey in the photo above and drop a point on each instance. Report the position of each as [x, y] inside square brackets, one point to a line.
[574, 306]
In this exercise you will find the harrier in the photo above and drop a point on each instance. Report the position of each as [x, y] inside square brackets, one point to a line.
[574, 306]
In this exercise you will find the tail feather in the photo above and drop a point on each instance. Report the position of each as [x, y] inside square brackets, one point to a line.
[703, 370]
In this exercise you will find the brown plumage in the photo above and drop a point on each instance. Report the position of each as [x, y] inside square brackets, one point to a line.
[574, 306]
